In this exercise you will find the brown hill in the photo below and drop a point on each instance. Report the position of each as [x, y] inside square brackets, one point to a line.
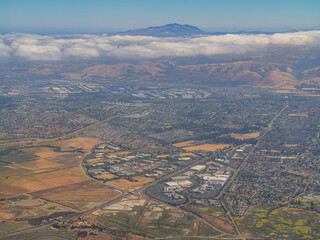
[253, 73]
[277, 78]
[119, 70]
[311, 75]
[243, 73]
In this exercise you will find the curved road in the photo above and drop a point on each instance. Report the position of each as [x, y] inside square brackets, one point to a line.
[141, 191]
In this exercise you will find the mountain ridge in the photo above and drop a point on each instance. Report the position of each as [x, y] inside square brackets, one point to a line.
[185, 30]
[168, 30]
[239, 73]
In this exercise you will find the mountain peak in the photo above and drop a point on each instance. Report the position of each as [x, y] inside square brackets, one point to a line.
[169, 30]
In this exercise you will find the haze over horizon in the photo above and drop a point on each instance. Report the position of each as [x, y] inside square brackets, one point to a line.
[83, 16]
[37, 30]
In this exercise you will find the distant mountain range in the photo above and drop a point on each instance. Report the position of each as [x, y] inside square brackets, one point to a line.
[184, 30]
[169, 30]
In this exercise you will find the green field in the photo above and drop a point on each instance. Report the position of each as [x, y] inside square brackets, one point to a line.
[12, 227]
[165, 225]
[215, 211]
[205, 230]
[45, 235]
[281, 223]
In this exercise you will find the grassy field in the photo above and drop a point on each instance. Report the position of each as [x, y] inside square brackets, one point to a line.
[205, 230]
[8, 227]
[308, 95]
[166, 225]
[211, 210]
[215, 215]
[44, 235]
[151, 219]
[281, 223]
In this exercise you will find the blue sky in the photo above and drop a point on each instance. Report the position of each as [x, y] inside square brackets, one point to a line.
[97, 16]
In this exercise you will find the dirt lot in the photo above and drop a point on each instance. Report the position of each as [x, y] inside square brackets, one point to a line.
[206, 147]
[184, 144]
[106, 176]
[47, 152]
[30, 207]
[83, 195]
[80, 142]
[54, 162]
[220, 224]
[125, 184]
[163, 156]
[96, 160]
[48, 180]
[245, 136]
[304, 114]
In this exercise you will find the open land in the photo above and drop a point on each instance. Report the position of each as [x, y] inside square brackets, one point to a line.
[244, 136]
[206, 147]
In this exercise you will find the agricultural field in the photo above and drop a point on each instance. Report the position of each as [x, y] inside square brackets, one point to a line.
[43, 179]
[281, 223]
[38, 167]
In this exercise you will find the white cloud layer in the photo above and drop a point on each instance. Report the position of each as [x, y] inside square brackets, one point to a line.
[46, 48]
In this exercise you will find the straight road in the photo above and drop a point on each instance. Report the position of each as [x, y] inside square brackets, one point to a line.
[141, 191]
[243, 164]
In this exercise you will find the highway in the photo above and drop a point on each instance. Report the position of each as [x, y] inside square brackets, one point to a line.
[141, 191]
